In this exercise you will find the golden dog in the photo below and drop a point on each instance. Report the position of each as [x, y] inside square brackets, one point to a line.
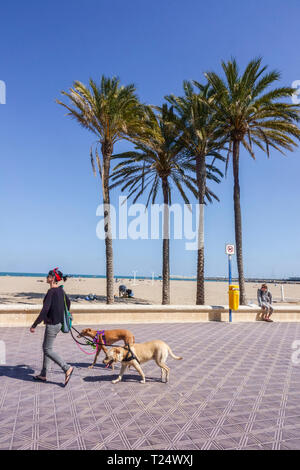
[138, 354]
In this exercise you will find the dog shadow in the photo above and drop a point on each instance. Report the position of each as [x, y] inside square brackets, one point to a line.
[22, 372]
[87, 364]
[99, 378]
[125, 379]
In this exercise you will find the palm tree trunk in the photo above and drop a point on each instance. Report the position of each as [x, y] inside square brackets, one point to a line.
[166, 243]
[238, 220]
[107, 149]
[201, 183]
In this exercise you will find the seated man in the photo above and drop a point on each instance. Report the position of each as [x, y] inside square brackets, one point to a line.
[264, 298]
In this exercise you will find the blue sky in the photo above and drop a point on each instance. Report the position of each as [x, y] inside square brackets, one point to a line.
[48, 194]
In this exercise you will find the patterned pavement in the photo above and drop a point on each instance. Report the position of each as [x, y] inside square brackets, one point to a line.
[237, 388]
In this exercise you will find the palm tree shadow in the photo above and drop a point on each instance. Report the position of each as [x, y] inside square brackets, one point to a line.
[22, 297]
[28, 296]
[22, 372]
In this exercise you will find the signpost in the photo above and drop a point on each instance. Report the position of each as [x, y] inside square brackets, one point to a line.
[229, 250]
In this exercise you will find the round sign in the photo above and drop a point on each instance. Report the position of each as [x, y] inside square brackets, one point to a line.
[229, 250]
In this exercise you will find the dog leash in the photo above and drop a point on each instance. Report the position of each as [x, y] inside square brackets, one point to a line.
[89, 342]
[85, 352]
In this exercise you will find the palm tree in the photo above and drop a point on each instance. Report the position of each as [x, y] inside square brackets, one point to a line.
[159, 159]
[200, 138]
[111, 112]
[248, 112]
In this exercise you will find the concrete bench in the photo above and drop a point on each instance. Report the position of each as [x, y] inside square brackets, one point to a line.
[93, 314]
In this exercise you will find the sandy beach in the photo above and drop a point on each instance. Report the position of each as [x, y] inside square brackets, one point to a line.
[31, 290]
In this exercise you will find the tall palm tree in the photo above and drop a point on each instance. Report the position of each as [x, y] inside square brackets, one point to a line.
[250, 114]
[200, 138]
[160, 159]
[111, 112]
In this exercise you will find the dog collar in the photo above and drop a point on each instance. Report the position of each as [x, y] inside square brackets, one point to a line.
[97, 337]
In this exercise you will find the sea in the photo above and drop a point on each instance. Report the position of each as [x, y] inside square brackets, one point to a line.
[101, 276]
[172, 277]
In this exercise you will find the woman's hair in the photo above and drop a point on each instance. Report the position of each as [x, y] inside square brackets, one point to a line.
[58, 275]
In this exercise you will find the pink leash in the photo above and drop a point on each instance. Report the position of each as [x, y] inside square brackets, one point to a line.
[89, 354]
[96, 340]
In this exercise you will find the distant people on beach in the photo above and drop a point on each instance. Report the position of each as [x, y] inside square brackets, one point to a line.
[52, 314]
[264, 298]
[129, 293]
[124, 292]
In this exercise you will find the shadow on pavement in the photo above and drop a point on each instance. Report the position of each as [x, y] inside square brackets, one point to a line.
[99, 378]
[26, 297]
[22, 372]
[126, 379]
[87, 364]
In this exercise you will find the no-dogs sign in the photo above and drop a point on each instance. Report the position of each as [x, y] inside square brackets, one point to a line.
[229, 249]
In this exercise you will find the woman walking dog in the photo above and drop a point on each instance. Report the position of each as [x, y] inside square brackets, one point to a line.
[52, 314]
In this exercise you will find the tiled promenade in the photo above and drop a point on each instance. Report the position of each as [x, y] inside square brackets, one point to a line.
[236, 388]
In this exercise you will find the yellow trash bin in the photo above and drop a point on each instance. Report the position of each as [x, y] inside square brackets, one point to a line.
[234, 297]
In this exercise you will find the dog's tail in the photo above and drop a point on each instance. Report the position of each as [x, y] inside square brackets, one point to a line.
[173, 355]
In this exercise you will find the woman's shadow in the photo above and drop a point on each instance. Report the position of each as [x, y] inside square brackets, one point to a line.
[22, 372]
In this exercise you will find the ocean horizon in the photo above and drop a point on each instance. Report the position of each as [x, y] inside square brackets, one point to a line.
[158, 278]
[98, 276]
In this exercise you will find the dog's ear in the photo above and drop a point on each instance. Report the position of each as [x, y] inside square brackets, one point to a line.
[116, 353]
